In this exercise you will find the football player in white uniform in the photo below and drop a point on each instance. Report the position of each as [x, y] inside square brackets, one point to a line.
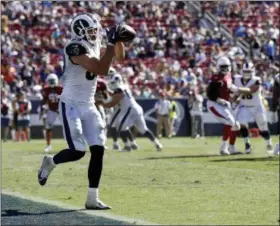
[130, 112]
[128, 139]
[80, 118]
[251, 106]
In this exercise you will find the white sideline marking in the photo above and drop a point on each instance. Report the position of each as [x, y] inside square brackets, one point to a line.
[71, 207]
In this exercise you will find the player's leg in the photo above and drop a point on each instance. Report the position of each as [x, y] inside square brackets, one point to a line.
[27, 129]
[132, 140]
[73, 134]
[230, 127]
[243, 116]
[140, 122]
[50, 120]
[200, 126]
[125, 121]
[261, 120]
[159, 126]
[94, 131]
[114, 131]
[20, 125]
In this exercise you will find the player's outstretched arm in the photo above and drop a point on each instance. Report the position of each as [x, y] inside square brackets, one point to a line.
[116, 98]
[93, 65]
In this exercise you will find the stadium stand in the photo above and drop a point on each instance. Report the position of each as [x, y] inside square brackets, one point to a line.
[176, 48]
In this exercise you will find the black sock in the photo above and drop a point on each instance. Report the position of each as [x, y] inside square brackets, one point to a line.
[95, 165]
[68, 155]
[265, 134]
[150, 135]
[114, 134]
[123, 135]
[244, 132]
[130, 135]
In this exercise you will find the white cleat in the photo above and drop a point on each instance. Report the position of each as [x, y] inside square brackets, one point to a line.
[224, 149]
[48, 149]
[276, 151]
[116, 147]
[134, 146]
[159, 147]
[248, 148]
[45, 170]
[96, 205]
[269, 148]
[126, 149]
[233, 151]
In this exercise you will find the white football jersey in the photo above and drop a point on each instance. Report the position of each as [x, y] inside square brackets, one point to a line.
[79, 84]
[128, 100]
[254, 99]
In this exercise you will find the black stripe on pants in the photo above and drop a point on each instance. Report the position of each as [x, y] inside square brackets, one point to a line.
[124, 118]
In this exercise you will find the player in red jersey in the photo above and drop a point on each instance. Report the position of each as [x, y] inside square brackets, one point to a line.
[51, 94]
[100, 95]
[219, 96]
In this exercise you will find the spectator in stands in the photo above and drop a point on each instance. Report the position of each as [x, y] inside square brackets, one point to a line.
[270, 50]
[6, 114]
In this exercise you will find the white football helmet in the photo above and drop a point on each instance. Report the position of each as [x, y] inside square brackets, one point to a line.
[223, 65]
[115, 82]
[112, 72]
[86, 26]
[248, 70]
[52, 80]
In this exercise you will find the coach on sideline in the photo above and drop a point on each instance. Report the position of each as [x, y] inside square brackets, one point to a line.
[163, 106]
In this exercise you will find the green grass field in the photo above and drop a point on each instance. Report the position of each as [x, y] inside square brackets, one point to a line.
[186, 183]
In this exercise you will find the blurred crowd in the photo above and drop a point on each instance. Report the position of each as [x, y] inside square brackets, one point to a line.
[174, 51]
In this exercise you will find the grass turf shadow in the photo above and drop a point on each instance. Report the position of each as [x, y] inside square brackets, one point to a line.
[182, 157]
[15, 212]
[256, 159]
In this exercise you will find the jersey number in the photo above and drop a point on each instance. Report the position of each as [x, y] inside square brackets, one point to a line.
[247, 97]
[90, 75]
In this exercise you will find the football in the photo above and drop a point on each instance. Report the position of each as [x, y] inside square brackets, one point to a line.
[126, 32]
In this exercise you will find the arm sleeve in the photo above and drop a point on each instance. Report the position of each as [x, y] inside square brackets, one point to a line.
[75, 49]
[213, 91]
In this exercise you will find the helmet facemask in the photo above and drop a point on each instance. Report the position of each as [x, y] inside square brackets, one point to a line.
[52, 82]
[224, 69]
[92, 34]
[247, 74]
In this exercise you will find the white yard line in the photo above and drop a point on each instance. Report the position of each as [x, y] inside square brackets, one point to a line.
[71, 207]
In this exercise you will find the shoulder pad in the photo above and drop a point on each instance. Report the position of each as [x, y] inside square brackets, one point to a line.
[75, 49]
